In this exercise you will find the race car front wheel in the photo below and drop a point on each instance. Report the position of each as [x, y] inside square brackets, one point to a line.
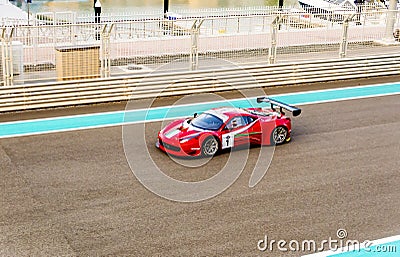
[209, 146]
[279, 135]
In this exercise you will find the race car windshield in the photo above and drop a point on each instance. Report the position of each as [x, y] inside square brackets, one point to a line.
[207, 121]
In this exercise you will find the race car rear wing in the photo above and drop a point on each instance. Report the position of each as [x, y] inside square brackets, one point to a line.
[263, 99]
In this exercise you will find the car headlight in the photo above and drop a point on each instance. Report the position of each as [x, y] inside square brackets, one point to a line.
[186, 139]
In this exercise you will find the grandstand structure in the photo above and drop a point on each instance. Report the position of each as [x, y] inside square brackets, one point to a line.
[11, 13]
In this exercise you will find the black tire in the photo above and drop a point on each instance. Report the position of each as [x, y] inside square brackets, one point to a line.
[279, 135]
[210, 146]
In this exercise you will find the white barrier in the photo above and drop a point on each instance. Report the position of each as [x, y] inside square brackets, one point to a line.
[33, 96]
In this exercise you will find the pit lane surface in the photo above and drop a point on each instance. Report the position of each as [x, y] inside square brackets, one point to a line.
[73, 193]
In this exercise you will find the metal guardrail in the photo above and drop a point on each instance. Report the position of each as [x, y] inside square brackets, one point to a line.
[69, 93]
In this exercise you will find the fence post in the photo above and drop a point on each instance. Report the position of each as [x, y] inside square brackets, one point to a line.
[274, 31]
[343, 42]
[194, 35]
[390, 21]
[105, 61]
[6, 56]
[97, 16]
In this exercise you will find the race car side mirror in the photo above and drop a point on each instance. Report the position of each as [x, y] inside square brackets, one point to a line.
[195, 115]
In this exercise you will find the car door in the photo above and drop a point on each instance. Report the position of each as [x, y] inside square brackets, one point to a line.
[237, 131]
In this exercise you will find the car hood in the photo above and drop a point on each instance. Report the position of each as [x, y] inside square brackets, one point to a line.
[180, 129]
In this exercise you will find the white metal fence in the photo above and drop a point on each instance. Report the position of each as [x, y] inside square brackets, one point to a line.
[63, 45]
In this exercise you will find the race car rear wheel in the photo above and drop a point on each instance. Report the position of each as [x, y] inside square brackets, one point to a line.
[210, 146]
[279, 135]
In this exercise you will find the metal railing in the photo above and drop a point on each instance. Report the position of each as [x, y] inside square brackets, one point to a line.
[276, 47]
[249, 38]
[151, 44]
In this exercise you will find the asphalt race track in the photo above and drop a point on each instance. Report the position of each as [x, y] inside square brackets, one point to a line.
[73, 193]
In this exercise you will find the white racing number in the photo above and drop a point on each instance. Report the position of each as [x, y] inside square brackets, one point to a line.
[228, 140]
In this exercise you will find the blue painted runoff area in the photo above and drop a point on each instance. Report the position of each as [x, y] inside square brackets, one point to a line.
[58, 124]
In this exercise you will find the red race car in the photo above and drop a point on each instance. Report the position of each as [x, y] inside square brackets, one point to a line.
[227, 127]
